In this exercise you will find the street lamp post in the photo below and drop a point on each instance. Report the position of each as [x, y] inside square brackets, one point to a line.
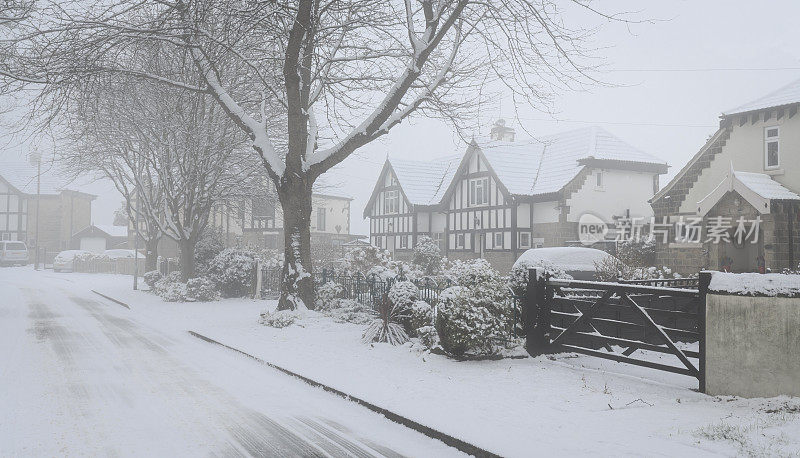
[136, 243]
[36, 158]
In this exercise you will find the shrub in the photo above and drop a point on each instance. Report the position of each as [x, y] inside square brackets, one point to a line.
[472, 316]
[387, 327]
[328, 294]
[402, 295]
[211, 244]
[518, 278]
[173, 292]
[201, 289]
[350, 311]
[232, 271]
[421, 315]
[279, 318]
[362, 259]
[165, 281]
[427, 255]
[428, 336]
[150, 278]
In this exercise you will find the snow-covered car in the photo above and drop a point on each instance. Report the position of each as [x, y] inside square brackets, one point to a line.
[120, 253]
[63, 261]
[12, 252]
[578, 262]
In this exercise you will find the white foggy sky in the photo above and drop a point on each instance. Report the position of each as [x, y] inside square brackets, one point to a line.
[669, 114]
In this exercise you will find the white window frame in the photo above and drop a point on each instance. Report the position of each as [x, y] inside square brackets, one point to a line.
[403, 242]
[463, 239]
[598, 180]
[767, 141]
[498, 240]
[391, 196]
[526, 235]
[474, 200]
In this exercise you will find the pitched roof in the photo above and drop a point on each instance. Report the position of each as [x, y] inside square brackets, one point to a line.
[424, 182]
[763, 185]
[113, 231]
[22, 176]
[785, 95]
[759, 189]
[547, 164]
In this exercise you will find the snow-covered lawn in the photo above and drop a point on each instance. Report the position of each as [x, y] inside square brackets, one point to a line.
[566, 404]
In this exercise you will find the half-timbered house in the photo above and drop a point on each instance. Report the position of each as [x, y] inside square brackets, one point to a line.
[505, 196]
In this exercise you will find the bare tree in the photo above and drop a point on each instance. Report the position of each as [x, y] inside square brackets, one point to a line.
[336, 75]
[173, 155]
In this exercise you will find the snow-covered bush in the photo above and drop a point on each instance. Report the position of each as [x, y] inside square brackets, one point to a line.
[475, 313]
[362, 259]
[232, 271]
[469, 322]
[518, 278]
[150, 278]
[403, 293]
[280, 318]
[637, 252]
[421, 315]
[612, 269]
[328, 294]
[201, 289]
[173, 292]
[428, 336]
[164, 281]
[350, 311]
[387, 327]
[211, 244]
[427, 255]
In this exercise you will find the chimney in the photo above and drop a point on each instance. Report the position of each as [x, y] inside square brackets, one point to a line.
[501, 132]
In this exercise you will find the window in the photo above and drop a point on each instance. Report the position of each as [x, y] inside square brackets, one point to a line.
[524, 240]
[438, 237]
[479, 191]
[460, 241]
[321, 219]
[263, 209]
[599, 178]
[771, 148]
[403, 241]
[391, 201]
[498, 240]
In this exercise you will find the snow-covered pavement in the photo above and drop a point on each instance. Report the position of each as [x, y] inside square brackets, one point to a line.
[83, 376]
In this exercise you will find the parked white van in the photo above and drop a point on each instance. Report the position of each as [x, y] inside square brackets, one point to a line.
[13, 252]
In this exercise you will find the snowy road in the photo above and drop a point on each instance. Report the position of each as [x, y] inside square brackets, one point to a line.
[83, 376]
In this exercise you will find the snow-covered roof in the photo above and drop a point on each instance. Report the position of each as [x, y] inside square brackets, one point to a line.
[424, 182]
[754, 284]
[763, 185]
[22, 176]
[113, 231]
[547, 164]
[785, 95]
[756, 188]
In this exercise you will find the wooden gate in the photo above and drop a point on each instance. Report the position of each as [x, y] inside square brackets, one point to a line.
[593, 318]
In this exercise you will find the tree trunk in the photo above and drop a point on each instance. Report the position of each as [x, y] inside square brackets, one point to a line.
[151, 254]
[297, 285]
[187, 259]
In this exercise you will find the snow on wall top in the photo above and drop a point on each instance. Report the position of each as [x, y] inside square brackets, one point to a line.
[782, 96]
[424, 182]
[754, 284]
[22, 176]
[547, 164]
[763, 185]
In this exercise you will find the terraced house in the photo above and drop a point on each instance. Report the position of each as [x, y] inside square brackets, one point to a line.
[501, 196]
[749, 170]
